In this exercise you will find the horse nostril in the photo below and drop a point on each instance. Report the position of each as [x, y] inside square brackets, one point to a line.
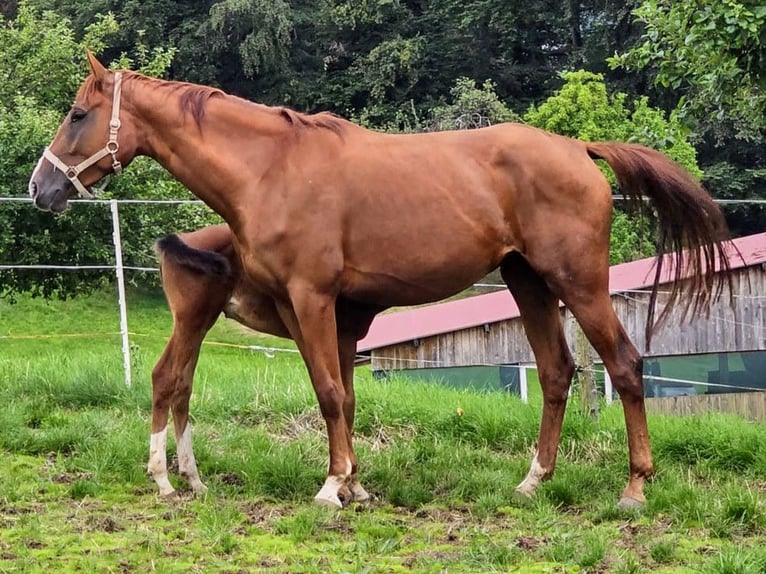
[32, 189]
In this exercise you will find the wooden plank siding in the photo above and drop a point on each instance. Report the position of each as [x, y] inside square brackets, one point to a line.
[737, 327]
[751, 406]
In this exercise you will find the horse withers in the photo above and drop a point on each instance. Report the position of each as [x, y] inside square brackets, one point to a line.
[202, 278]
[322, 210]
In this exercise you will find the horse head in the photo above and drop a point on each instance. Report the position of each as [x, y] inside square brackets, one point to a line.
[90, 143]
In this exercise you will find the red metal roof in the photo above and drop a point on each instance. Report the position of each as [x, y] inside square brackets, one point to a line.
[392, 328]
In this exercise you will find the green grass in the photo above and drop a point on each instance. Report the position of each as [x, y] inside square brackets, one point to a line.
[74, 495]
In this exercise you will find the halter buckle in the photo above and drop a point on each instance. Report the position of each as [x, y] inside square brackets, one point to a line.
[71, 172]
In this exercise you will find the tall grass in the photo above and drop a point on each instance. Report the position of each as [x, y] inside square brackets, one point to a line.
[259, 435]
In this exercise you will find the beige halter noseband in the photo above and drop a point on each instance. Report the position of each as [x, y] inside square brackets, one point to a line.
[72, 172]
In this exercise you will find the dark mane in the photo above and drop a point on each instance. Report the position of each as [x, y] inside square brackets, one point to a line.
[193, 98]
[322, 120]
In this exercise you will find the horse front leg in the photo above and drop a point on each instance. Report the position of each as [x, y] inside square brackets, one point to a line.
[311, 321]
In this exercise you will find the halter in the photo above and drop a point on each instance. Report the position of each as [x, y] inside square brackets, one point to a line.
[72, 172]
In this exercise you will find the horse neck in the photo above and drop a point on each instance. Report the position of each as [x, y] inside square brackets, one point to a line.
[209, 158]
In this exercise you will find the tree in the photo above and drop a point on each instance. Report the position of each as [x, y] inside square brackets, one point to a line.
[714, 51]
[471, 107]
[584, 109]
[259, 29]
[385, 63]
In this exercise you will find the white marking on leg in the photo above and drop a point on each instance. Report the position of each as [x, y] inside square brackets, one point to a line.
[328, 495]
[536, 473]
[187, 465]
[158, 463]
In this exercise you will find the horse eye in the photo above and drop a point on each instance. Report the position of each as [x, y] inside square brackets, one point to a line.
[77, 115]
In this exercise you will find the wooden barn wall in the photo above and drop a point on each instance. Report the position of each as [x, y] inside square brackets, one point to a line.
[751, 406]
[740, 327]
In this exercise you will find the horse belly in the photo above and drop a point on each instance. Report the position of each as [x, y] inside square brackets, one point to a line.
[257, 312]
[422, 261]
[410, 286]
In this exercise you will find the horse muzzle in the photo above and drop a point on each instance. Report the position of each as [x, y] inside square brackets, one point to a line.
[52, 196]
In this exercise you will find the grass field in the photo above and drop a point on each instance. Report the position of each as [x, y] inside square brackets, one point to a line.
[74, 495]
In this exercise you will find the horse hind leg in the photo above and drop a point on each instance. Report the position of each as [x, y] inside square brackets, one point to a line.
[584, 289]
[172, 385]
[196, 303]
[187, 464]
[542, 324]
[601, 326]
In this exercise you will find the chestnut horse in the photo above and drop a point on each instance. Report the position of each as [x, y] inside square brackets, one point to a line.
[202, 278]
[321, 209]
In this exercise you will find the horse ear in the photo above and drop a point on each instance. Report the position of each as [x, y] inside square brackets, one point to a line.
[96, 67]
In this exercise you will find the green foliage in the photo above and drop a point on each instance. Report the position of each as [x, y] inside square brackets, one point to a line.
[41, 60]
[151, 62]
[726, 180]
[391, 65]
[584, 109]
[713, 50]
[631, 238]
[388, 73]
[471, 107]
[260, 29]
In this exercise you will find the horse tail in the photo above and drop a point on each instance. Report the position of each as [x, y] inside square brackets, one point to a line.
[688, 219]
[171, 248]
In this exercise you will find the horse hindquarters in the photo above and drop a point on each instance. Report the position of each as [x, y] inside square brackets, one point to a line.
[195, 301]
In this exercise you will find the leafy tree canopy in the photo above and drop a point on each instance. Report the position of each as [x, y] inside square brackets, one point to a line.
[584, 109]
[714, 51]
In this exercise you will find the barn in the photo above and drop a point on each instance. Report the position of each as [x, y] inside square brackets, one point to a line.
[479, 341]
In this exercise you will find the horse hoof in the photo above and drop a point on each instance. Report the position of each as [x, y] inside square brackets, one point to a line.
[198, 488]
[524, 492]
[169, 494]
[628, 503]
[328, 500]
[334, 493]
[358, 493]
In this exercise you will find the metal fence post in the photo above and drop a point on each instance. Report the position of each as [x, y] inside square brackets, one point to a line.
[523, 388]
[118, 269]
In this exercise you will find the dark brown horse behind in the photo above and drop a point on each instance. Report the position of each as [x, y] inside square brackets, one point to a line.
[323, 211]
